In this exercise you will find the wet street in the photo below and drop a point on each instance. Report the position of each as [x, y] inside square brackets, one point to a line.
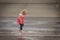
[34, 29]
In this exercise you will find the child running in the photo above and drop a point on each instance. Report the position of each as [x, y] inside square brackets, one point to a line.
[20, 20]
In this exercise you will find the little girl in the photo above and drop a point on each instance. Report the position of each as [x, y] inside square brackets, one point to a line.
[20, 20]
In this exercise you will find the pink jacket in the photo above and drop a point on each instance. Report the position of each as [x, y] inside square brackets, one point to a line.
[20, 19]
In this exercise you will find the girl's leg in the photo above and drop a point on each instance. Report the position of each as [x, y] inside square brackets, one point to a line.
[21, 27]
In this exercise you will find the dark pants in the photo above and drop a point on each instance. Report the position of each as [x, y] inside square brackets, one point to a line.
[21, 26]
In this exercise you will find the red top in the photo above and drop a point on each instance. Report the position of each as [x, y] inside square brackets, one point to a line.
[20, 19]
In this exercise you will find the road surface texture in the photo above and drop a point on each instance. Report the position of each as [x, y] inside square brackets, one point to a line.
[34, 29]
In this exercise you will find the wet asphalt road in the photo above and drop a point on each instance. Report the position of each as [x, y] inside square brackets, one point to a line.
[34, 29]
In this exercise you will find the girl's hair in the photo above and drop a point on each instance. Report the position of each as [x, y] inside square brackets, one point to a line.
[24, 10]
